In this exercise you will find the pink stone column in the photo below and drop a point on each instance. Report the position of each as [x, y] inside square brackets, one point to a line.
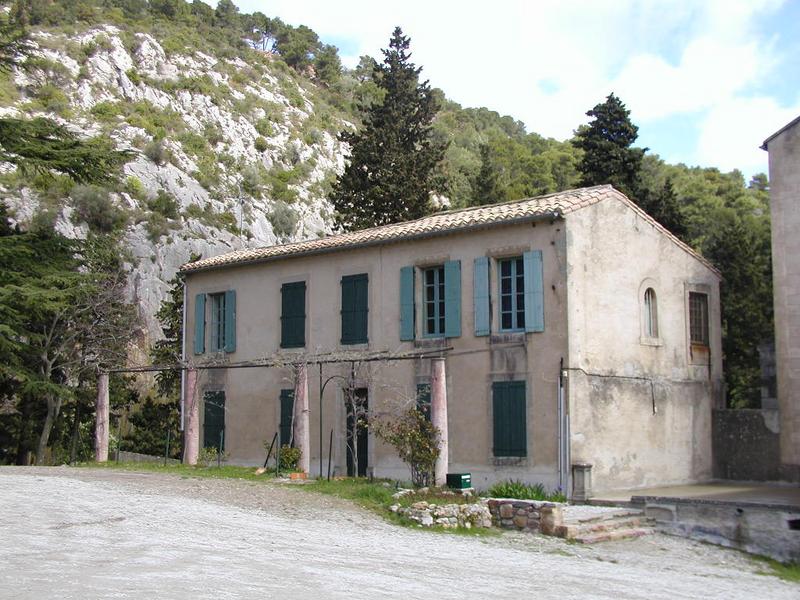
[191, 412]
[302, 428]
[439, 417]
[101, 423]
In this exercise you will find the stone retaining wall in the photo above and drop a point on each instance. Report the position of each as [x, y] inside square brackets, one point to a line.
[526, 515]
[447, 515]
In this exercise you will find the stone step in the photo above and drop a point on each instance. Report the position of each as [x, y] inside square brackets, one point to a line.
[573, 530]
[603, 517]
[614, 535]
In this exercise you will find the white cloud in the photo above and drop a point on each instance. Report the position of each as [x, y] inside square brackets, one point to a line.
[547, 62]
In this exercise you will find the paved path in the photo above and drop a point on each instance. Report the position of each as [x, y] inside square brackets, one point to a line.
[728, 491]
[86, 533]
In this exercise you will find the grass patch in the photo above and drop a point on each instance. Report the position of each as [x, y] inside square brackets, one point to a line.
[223, 472]
[788, 572]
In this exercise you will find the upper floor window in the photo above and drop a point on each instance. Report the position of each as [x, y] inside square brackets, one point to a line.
[433, 301]
[217, 322]
[293, 314]
[650, 313]
[354, 309]
[512, 294]
[698, 318]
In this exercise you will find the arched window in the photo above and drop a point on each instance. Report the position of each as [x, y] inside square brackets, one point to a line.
[650, 314]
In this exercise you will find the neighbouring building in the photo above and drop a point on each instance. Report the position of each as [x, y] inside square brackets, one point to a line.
[574, 329]
[784, 195]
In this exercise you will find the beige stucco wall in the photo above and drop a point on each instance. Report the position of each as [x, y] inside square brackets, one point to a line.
[635, 433]
[474, 362]
[784, 175]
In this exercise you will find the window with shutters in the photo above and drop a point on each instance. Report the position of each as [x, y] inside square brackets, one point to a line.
[512, 294]
[508, 412]
[287, 417]
[433, 301]
[698, 318]
[355, 309]
[293, 315]
[217, 322]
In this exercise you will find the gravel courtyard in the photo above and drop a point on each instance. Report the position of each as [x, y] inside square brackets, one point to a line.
[86, 533]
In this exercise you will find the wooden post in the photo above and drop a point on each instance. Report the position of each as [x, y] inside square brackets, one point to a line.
[439, 417]
[101, 423]
[302, 429]
[191, 410]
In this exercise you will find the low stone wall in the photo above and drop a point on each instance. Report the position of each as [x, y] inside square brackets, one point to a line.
[746, 444]
[526, 515]
[447, 515]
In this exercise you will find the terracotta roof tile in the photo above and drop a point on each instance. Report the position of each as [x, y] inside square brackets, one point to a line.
[542, 207]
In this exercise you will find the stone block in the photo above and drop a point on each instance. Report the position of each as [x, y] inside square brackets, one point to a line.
[521, 521]
[506, 511]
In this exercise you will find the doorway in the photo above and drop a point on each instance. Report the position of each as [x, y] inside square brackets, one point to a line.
[356, 436]
[214, 420]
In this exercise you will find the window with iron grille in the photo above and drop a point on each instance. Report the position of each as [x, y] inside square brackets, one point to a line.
[512, 294]
[698, 318]
[433, 301]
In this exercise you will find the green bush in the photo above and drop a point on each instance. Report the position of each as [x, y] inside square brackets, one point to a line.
[164, 204]
[212, 133]
[283, 219]
[105, 111]
[252, 181]
[157, 226]
[290, 458]
[50, 98]
[134, 187]
[416, 441]
[264, 127]
[157, 152]
[524, 491]
[94, 207]
[261, 144]
[134, 76]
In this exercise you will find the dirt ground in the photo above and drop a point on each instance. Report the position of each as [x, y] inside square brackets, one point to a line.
[86, 533]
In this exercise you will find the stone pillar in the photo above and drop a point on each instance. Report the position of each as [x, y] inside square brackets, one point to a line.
[302, 428]
[101, 422]
[191, 412]
[581, 482]
[439, 417]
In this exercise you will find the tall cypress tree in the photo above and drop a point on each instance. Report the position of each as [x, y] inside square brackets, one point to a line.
[486, 185]
[607, 143]
[394, 158]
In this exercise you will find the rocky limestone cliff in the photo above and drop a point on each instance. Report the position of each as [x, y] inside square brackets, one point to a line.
[233, 143]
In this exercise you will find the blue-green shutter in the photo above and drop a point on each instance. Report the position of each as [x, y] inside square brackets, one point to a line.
[480, 295]
[355, 309]
[452, 299]
[534, 291]
[509, 419]
[199, 323]
[293, 314]
[230, 321]
[407, 304]
[287, 416]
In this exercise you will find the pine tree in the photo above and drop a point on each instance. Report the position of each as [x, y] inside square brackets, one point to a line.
[394, 159]
[607, 145]
[486, 186]
[664, 207]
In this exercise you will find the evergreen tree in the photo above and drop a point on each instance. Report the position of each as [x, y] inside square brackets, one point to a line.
[486, 186]
[607, 145]
[664, 207]
[394, 158]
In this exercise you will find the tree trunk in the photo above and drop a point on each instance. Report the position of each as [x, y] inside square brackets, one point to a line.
[53, 406]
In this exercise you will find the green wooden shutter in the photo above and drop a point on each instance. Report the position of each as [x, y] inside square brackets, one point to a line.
[534, 291]
[287, 415]
[199, 323]
[230, 321]
[452, 299]
[214, 420]
[355, 309]
[480, 295]
[293, 314]
[509, 420]
[407, 304]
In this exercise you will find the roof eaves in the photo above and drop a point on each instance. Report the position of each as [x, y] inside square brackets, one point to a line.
[789, 125]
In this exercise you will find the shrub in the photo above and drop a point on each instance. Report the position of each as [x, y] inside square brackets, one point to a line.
[416, 441]
[94, 207]
[264, 127]
[524, 491]
[157, 152]
[290, 458]
[283, 219]
[134, 76]
[157, 226]
[134, 187]
[252, 182]
[212, 133]
[164, 204]
[52, 99]
[208, 456]
[261, 144]
[105, 111]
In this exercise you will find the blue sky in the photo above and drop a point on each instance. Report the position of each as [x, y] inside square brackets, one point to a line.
[706, 81]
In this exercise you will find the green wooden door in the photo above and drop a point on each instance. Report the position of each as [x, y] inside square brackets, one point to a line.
[214, 420]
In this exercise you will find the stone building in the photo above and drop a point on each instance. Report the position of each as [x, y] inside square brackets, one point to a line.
[784, 175]
[567, 329]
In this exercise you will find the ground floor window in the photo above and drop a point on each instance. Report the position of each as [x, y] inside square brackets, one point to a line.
[508, 412]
